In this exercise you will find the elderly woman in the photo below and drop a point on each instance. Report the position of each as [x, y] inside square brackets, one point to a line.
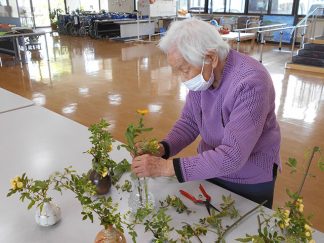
[230, 105]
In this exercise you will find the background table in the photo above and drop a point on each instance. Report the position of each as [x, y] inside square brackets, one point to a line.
[46, 142]
[10, 101]
[233, 37]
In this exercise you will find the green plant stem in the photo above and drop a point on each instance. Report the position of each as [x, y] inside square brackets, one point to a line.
[146, 192]
[306, 172]
[154, 233]
[193, 232]
[140, 190]
[239, 220]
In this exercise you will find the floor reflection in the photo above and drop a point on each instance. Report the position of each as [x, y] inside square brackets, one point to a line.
[300, 100]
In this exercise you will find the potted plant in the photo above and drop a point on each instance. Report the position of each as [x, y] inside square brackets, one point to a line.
[102, 164]
[53, 15]
[36, 192]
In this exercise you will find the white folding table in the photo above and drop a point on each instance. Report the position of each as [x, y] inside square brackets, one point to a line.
[10, 101]
[37, 141]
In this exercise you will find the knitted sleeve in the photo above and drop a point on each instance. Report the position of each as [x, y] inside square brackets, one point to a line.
[184, 131]
[241, 133]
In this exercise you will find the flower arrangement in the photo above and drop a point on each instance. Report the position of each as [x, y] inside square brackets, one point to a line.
[103, 207]
[104, 170]
[101, 141]
[138, 146]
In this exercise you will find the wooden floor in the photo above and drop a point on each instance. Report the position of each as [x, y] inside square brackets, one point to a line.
[89, 79]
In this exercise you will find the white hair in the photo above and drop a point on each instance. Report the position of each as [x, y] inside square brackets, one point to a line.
[193, 38]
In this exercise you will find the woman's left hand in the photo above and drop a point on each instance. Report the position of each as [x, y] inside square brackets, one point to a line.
[151, 166]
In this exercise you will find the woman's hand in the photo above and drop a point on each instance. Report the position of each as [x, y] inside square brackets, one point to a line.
[151, 166]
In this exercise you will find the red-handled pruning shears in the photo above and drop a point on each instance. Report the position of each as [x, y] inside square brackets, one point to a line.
[206, 202]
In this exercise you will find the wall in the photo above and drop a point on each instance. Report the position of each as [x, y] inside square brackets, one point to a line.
[319, 28]
[121, 6]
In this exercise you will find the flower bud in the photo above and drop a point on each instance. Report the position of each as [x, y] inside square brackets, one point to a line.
[20, 185]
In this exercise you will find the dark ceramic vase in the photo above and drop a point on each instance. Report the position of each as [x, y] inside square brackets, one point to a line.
[102, 184]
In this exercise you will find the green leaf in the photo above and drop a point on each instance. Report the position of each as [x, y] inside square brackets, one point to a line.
[247, 239]
[91, 217]
[321, 165]
[11, 193]
[316, 149]
[31, 204]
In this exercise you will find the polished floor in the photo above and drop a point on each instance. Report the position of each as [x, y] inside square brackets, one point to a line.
[88, 79]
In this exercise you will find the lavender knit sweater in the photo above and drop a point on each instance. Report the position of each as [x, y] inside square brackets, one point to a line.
[240, 136]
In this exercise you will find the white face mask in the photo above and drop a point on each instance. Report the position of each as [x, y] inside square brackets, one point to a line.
[198, 83]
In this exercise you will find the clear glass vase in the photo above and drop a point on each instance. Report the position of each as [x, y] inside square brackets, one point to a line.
[50, 214]
[110, 235]
[140, 196]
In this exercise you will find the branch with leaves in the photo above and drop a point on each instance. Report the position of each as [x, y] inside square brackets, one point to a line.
[102, 164]
[176, 203]
[288, 223]
[140, 146]
[36, 191]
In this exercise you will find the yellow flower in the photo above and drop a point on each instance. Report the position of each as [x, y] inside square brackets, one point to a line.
[301, 208]
[307, 227]
[154, 144]
[308, 234]
[287, 222]
[299, 201]
[281, 225]
[13, 184]
[17, 178]
[142, 111]
[286, 213]
[109, 148]
[20, 185]
[105, 172]
[312, 241]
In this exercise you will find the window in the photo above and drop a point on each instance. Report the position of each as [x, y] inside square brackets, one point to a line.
[196, 6]
[104, 4]
[183, 4]
[306, 6]
[41, 13]
[8, 8]
[217, 6]
[258, 6]
[235, 6]
[57, 4]
[72, 5]
[90, 5]
[282, 6]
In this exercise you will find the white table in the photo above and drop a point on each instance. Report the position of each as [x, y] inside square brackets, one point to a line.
[10, 101]
[238, 37]
[16, 37]
[45, 142]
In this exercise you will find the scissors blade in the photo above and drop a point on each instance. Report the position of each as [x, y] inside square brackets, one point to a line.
[208, 207]
[212, 206]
